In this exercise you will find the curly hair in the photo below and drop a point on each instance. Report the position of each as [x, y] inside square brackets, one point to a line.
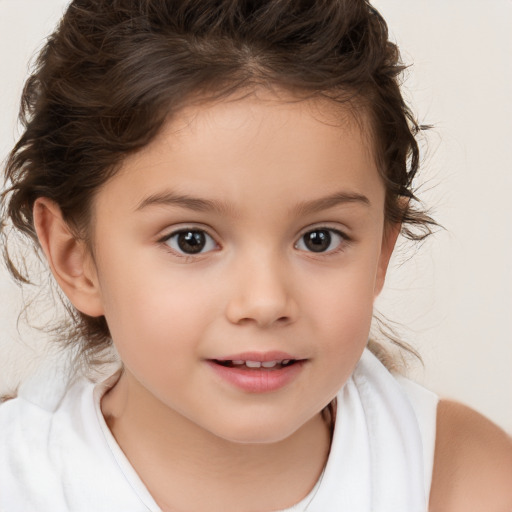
[115, 70]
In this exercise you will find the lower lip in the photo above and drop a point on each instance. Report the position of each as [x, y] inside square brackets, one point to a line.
[258, 380]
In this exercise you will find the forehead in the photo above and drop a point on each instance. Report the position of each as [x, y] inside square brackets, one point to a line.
[251, 114]
[252, 148]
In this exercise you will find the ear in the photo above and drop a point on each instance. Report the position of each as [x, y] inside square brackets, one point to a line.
[389, 239]
[69, 259]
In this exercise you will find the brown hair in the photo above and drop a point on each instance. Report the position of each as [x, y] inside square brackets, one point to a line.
[114, 71]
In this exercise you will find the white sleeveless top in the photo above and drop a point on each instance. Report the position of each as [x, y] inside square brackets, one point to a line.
[58, 455]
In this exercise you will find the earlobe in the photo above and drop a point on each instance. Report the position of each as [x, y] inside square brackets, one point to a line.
[389, 238]
[68, 258]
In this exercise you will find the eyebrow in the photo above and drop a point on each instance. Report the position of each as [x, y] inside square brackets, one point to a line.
[169, 198]
[330, 201]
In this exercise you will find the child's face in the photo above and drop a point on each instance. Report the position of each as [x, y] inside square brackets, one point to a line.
[248, 230]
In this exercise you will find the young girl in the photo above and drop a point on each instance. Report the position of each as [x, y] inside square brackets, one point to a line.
[217, 187]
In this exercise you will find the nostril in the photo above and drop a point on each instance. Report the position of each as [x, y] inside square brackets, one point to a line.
[263, 320]
[263, 308]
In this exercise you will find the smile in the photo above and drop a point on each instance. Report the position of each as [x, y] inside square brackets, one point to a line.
[275, 364]
[258, 373]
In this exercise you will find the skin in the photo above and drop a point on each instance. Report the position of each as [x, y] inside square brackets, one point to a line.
[472, 463]
[267, 172]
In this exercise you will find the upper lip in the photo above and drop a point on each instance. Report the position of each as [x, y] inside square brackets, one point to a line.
[258, 356]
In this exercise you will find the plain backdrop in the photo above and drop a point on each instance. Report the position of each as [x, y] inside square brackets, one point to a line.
[451, 297]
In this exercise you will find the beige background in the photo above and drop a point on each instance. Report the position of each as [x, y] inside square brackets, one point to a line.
[453, 297]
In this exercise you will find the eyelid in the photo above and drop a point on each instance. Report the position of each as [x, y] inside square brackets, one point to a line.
[340, 230]
[182, 226]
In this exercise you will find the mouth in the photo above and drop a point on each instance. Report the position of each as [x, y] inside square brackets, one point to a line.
[255, 372]
[256, 365]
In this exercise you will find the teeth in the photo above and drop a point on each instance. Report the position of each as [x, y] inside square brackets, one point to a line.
[260, 364]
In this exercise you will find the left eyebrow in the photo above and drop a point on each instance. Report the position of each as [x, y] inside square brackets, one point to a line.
[336, 199]
[183, 201]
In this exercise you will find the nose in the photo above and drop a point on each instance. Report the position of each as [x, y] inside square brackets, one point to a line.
[262, 293]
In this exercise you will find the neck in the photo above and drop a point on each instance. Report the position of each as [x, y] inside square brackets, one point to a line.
[174, 457]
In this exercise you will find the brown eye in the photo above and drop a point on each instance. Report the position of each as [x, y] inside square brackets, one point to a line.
[320, 240]
[191, 241]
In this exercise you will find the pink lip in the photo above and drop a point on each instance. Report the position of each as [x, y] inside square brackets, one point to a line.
[257, 380]
[258, 356]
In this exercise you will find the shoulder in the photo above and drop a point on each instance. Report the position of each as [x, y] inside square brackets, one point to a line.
[48, 449]
[472, 463]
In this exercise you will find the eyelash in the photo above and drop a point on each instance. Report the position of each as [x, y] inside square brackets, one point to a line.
[344, 240]
[183, 231]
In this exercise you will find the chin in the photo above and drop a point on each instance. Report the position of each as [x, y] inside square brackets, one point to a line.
[257, 432]
[256, 438]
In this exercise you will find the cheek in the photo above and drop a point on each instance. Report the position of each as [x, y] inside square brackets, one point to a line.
[149, 302]
[150, 310]
[346, 318]
[343, 305]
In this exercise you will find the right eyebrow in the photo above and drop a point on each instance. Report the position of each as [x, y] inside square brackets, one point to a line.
[169, 198]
